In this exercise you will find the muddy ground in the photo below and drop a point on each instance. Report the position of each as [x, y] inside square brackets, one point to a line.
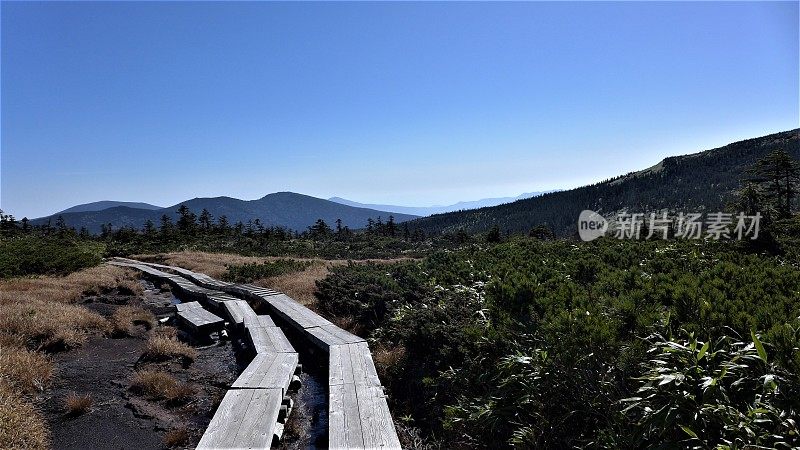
[122, 419]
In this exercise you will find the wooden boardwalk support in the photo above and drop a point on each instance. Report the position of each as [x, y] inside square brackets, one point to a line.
[358, 413]
[197, 318]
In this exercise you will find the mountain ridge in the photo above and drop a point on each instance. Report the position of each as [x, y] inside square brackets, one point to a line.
[281, 209]
[438, 209]
[701, 181]
[106, 204]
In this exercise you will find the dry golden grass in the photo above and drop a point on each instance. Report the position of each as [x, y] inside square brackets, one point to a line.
[299, 285]
[21, 425]
[176, 437]
[75, 404]
[48, 325]
[25, 371]
[126, 318]
[37, 312]
[166, 332]
[70, 288]
[161, 385]
[162, 348]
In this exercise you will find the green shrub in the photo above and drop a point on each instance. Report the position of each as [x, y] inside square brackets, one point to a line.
[724, 394]
[38, 255]
[247, 273]
[533, 344]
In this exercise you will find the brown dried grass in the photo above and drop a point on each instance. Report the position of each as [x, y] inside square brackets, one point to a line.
[75, 404]
[161, 386]
[126, 318]
[299, 285]
[49, 325]
[387, 359]
[162, 348]
[176, 437]
[37, 312]
[21, 425]
[25, 371]
[70, 288]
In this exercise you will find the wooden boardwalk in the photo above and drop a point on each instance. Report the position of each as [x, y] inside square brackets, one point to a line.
[358, 413]
[251, 412]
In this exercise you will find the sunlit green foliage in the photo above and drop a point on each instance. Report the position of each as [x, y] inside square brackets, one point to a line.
[535, 344]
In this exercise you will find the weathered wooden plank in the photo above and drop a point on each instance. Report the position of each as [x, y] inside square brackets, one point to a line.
[237, 310]
[295, 313]
[225, 424]
[199, 319]
[245, 419]
[188, 305]
[344, 422]
[323, 338]
[258, 423]
[343, 335]
[268, 371]
[352, 363]
[258, 321]
[339, 357]
[217, 299]
[268, 339]
[377, 426]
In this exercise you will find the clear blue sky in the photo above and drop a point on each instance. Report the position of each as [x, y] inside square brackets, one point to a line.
[405, 103]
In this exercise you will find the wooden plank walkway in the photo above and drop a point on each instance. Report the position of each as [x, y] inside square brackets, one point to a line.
[358, 413]
[249, 415]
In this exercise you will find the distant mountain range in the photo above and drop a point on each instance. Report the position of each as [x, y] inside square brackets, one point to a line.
[428, 210]
[105, 204]
[285, 209]
[704, 181]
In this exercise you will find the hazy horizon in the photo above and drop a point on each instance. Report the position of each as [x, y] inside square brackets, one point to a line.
[387, 103]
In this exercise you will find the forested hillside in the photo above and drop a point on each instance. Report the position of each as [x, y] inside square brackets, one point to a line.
[704, 181]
